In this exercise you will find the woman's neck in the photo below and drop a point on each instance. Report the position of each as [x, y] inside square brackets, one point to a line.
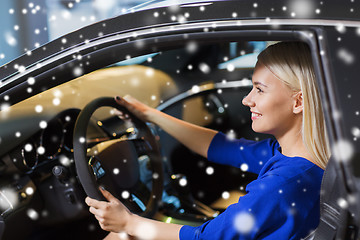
[292, 145]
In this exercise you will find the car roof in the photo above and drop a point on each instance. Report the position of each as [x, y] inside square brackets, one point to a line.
[319, 13]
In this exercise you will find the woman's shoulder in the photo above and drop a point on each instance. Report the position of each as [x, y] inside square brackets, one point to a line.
[291, 169]
[223, 139]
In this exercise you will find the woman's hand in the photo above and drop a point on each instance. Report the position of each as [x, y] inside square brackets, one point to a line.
[136, 107]
[194, 137]
[112, 215]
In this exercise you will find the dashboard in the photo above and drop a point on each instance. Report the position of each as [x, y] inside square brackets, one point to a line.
[53, 141]
[38, 171]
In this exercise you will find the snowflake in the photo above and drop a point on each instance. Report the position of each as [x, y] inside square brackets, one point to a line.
[301, 8]
[191, 47]
[145, 230]
[56, 101]
[346, 56]
[204, 68]
[31, 81]
[342, 203]
[244, 167]
[28, 147]
[343, 150]
[10, 39]
[244, 222]
[43, 124]
[231, 135]
[116, 171]
[195, 89]
[41, 150]
[230, 67]
[29, 191]
[225, 195]
[183, 182]
[5, 107]
[125, 194]
[355, 131]
[209, 170]
[123, 235]
[32, 214]
[65, 161]
[38, 108]
[78, 71]
[340, 28]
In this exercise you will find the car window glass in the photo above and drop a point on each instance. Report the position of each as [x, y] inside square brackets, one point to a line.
[152, 78]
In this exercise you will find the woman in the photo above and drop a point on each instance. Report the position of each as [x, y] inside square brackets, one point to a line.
[283, 202]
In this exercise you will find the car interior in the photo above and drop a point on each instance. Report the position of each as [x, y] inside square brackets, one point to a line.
[204, 85]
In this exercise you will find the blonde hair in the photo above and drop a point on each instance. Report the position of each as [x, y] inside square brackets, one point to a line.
[291, 62]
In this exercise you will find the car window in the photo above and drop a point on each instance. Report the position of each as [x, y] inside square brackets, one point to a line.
[154, 77]
[200, 83]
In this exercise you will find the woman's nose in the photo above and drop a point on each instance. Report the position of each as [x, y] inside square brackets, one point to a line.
[247, 100]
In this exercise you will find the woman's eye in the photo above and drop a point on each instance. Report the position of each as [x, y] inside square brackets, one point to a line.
[259, 90]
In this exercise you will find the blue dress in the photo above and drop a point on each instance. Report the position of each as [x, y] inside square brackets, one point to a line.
[282, 203]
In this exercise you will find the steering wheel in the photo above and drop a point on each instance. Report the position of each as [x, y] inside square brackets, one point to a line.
[116, 167]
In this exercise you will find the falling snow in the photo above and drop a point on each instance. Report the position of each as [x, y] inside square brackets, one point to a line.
[301, 8]
[65, 161]
[183, 182]
[343, 150]
[244, 167]
[355, 132]
[38, 108]
[244, 222]
[225, 195]
[209, 170]
[145, 230]
[231, 135]
[125, 194]
[32, 214]
[43, 124]
[346, 56]
[29, 191]
[28, 147]
[41, 150]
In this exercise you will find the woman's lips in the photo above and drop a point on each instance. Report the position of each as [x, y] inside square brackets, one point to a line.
[255, 115]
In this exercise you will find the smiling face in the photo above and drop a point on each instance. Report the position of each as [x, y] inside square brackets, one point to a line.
[274, 106]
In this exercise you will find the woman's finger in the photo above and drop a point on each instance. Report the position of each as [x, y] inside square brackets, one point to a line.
[93, 202]
[96, 212]
[108, 195]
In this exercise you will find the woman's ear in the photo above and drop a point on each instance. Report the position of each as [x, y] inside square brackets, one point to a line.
[298, 103]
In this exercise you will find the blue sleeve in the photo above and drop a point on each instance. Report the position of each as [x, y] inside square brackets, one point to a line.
[236, 152]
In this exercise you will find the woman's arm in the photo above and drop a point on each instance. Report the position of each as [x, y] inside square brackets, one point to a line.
[194, 137]
[113, 216]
